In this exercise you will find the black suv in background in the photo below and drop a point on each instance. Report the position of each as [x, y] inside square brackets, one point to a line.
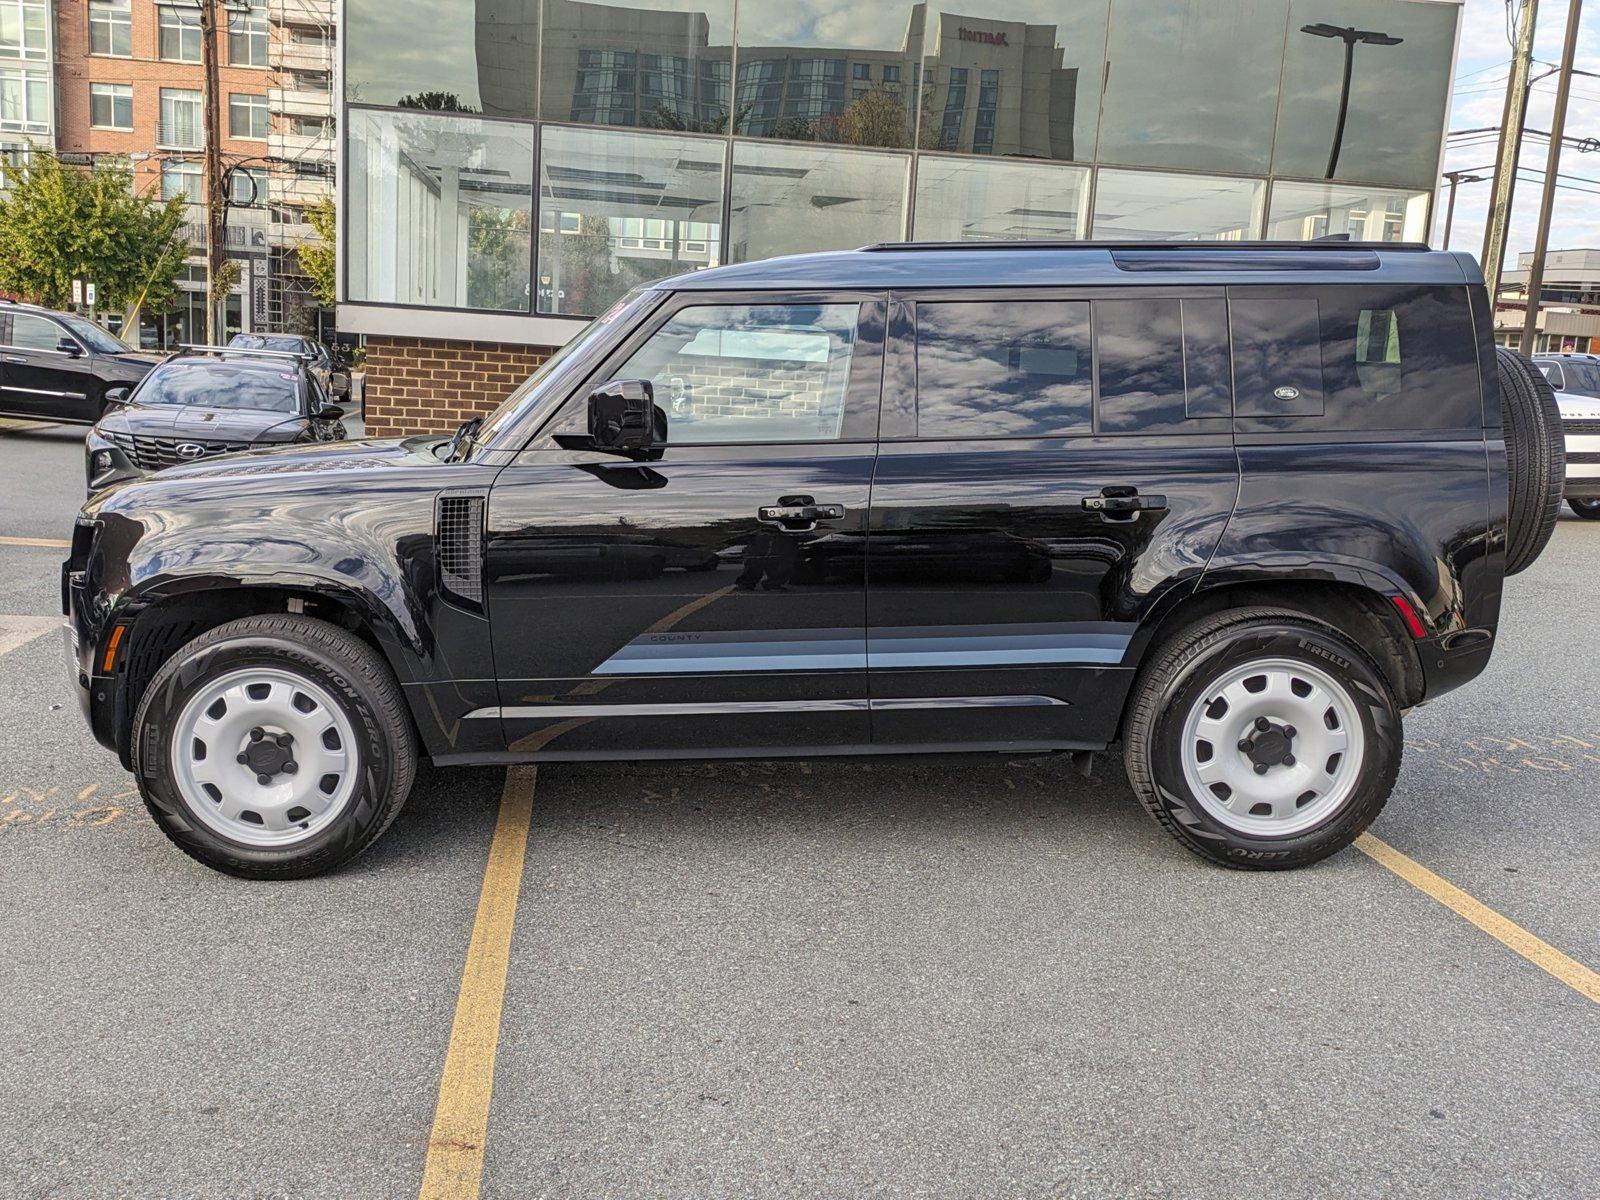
[58, 366]
[206, 401]
[1237, 507]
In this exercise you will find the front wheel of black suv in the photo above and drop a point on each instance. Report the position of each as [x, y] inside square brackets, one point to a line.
[1262, 739]
[1589, 510]
[274, 747]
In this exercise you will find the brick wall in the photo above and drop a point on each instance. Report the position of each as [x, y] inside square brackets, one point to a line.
[418, 385]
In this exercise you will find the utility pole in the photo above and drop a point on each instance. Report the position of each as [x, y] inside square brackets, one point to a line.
[1552, 165]
[1505, 166]
[216, 200]
[1456, 178]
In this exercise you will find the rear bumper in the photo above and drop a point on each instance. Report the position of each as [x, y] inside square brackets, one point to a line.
[1453, 660]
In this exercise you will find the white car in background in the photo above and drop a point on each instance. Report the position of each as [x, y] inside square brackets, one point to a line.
[1576, 381]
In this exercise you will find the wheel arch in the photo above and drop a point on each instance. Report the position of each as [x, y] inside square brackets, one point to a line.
[1359, 604]
[162, 620]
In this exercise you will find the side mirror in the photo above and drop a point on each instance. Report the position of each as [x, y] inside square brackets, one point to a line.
[339, 383]
[623, 416]
[330, 412]
[116, 394]
[69, 347]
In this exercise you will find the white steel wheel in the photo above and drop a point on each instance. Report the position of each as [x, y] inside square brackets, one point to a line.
[1272, 747]
[264, 756]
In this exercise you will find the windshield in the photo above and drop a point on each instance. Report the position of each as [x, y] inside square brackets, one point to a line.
[213, 384]
[92, 336]
[1582, 376]
[526, 392]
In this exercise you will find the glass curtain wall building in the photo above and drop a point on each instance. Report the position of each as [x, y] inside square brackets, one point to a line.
[539, 158]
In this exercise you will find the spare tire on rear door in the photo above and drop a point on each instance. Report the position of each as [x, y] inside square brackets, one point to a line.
[1536, 457]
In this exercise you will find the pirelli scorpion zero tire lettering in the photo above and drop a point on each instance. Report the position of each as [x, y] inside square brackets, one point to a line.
[274, 747]
[1262, 739]
[1536, 458]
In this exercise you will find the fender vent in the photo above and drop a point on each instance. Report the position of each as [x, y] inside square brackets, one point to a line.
[460, 542]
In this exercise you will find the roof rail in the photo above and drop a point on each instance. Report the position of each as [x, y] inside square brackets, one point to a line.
[243, 352]
[1322, 245]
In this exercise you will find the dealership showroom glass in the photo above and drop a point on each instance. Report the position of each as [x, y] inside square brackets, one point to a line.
[540, 160]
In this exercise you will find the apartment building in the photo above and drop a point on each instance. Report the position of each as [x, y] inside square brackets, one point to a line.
[95, 79]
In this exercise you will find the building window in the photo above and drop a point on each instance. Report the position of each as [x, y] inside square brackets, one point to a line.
[440, 210]
[1309, 210]
[182, 127]
[110, 27]
[24, 29]
[111, 105]
[178, 34]
[966, 200]
[24, 100]
[891, 73]
[247, 116]
[1144, 205]
[247, 38]
[312, 127]
[248, 187]
[180, 180]
[791, 199]
[860, 70]
[604, 240]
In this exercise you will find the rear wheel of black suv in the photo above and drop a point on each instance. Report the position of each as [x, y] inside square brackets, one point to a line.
[1589, 510]
[274, 747]
[1262, 739]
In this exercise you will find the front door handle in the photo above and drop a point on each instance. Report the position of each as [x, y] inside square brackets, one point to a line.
[798, 512]
[1123, 504]
[16, 358]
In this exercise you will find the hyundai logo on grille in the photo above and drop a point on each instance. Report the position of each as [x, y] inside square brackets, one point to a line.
[190, 450]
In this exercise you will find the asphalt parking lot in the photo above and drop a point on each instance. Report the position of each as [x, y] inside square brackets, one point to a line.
[973, 977]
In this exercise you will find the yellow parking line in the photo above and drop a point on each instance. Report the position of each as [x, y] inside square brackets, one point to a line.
[454, 1167]
[50, 543]
[1536, 950]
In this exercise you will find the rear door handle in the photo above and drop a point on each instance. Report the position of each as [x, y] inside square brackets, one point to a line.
[16, 358]
[1121, 504]
[802, 514]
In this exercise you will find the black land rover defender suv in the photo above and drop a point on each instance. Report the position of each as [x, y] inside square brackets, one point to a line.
[1237, 507]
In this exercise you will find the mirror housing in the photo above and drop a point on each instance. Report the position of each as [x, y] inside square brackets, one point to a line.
[329, 412]
[623, 417]
[69, 346]
[117, 393]
[339, 383]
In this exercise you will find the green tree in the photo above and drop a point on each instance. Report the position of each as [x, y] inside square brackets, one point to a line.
[317, 258]
[59, 223]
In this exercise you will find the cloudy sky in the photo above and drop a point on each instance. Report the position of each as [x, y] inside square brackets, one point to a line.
[1480, 90]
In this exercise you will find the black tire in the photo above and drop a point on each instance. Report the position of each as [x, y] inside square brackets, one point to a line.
[1178, 674]
[1536, 457]
[1589, 510]
[348, 670]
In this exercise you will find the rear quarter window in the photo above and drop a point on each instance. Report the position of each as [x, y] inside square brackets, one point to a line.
[1355, 358]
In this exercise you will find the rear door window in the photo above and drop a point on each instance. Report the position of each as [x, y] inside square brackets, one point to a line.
[1004, 369]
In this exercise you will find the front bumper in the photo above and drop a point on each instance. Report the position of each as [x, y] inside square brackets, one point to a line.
[98, 693]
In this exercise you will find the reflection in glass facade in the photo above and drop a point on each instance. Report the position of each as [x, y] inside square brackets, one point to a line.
[1313, 210]
[794, 199]
[617, 209]
[678, 133]
[440, 210]
[963, 199]
[1140, 206]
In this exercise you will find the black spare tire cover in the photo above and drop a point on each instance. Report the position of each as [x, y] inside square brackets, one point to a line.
[1536, 457]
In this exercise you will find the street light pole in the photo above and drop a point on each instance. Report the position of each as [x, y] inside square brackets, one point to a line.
[1456, 178]
[1349, 35]
[1558, 121]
